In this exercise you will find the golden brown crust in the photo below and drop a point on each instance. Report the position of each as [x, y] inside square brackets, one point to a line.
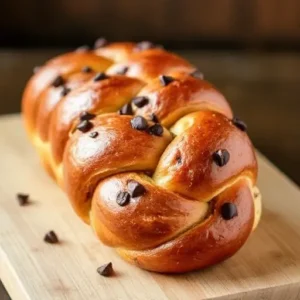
[148, 220]
[117, 51]
[49, 98]
[117, 148]
[62, 65]
[186, 156]
[211, 241]
[187, 166]
[184, 95]
[149, 64]
[98, 97]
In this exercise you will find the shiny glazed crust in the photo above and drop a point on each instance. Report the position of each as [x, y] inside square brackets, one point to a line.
[179, 221]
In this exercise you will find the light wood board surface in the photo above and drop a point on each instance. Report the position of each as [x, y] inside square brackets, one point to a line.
[267, 267]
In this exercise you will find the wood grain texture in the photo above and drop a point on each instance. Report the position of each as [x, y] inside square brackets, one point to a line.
[267, 267]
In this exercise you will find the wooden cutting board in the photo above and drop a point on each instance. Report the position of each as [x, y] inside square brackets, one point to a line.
[267, 267]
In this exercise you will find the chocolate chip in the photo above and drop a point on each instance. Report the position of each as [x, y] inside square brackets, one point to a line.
[123, 198]
[58, 81]
[22, 199]
[94, 134]
[139, 123]
[85, 115]
[126, 110]
[228, 211]
[144, 45]
[197, 74]
[36, 69]
[154, 118]
[100, 76]
[149, 173]
[84, 126]
[65, 91]
[51, 237]
[221, 157]
[83, 48]
[165, 80]
[156, 129]
[178, 159]
[135, 189]
[123, 70]
[106, 270]
[239, 123]
[87, 69]
[256, 194]
[101, 42]
[140, 101]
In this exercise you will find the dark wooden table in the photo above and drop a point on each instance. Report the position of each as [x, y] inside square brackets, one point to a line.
[264, 90]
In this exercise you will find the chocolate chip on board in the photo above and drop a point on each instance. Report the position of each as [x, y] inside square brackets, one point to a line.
[22, 199]
[105, 270]
[51, 237]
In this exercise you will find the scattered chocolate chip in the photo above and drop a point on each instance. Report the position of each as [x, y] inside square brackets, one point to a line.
[144, 45]
[101, 42]
[154, 118]
[135, 189]
[123, 70]
[123, 198]
[87, 69]
[256, 194]
[221, 157]
[139, 123]
[239, 123]
[94, 134]
[106, 270]
[85, 115]
[22, 199]
[165, 80]
[126, 110]
[84, 126]
[58, 81]
[83, 48]
[178, 159]
[228, 211]
[140, 101]
[156, 129]
[100, 76]
[65, 91]
[51, 237]
[197, 74]
[36, 69]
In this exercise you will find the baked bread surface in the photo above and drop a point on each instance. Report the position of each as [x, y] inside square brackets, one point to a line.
[148, 152]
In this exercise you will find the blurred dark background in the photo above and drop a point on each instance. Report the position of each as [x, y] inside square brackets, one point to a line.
[180, 24]
[248, 48]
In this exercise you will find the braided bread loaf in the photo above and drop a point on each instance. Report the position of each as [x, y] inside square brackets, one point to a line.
[148, 153]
